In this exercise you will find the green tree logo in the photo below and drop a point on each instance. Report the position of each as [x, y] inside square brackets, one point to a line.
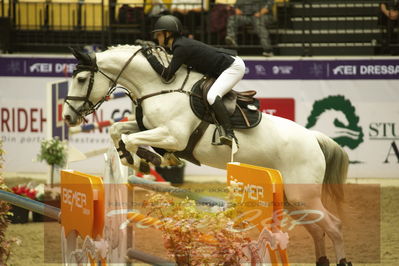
[336, 117]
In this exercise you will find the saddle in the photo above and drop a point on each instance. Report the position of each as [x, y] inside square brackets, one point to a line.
[242, 106]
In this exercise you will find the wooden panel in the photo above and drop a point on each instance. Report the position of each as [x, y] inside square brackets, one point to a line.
[63, 14]
[30, 14]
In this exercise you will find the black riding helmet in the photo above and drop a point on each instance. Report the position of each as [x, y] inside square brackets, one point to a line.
[168, 23]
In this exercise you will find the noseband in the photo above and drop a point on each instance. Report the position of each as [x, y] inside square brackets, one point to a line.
[89, 107]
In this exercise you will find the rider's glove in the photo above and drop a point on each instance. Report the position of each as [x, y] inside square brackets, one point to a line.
[146, 51]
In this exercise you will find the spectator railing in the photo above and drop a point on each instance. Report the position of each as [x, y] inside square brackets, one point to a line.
[299, 27]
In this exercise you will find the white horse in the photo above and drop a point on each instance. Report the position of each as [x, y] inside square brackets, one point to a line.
[306, 159]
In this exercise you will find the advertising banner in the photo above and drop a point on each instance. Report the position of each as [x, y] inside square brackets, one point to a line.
[23, 123]
[362, 116]
[353, 101]
[36, 66]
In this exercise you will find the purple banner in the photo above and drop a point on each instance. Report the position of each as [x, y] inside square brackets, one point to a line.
[59, 92]
[256, 69]
[36, 67]
[322, 69]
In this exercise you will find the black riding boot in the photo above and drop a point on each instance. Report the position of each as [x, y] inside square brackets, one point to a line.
[223, 117]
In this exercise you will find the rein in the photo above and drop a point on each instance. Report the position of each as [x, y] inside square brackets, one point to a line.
[181, 90]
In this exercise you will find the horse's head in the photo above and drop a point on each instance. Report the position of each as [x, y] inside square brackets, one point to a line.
[88, 90]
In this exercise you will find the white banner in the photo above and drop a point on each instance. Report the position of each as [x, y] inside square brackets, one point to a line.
[23, 124]
[353, 101]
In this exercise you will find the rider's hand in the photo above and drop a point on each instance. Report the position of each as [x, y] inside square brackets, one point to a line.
[146, 51]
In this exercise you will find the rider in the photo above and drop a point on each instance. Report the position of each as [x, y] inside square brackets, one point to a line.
[227, 69]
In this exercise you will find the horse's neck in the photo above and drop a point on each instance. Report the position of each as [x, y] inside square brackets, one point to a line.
[139, 77]
[112, 62]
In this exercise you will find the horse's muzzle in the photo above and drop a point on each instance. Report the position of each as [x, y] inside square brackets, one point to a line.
[68, 119]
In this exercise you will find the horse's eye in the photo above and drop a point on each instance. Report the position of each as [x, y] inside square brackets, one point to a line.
[81, 79]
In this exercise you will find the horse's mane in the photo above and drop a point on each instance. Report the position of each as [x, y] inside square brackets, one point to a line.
[124, 47]
[158, 51]
[129, 48]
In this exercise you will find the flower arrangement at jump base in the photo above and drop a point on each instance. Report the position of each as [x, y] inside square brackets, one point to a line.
[48, 195]
[25, 191]
[54, 153]
[21, 215]
[199, 236]
[45, 193]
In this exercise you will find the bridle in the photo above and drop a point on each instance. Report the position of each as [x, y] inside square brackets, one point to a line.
[88, 107]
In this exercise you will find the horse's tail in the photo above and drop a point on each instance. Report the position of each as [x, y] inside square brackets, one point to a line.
[337, 162]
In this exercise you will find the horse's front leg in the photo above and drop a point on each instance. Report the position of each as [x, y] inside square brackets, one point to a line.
[159, 137]
[119, 128]
[116, 131]
[145, 152]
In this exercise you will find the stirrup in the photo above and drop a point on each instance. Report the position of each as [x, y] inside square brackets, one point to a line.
[219, 131]
[226, 140]
[221, 137]
[144, 167]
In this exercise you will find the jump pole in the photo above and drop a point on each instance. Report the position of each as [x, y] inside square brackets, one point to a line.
[32, 205]
[147, 258]
[176, 192]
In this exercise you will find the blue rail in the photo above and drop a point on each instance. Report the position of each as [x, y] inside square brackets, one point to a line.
[32, 205]
[176, 192]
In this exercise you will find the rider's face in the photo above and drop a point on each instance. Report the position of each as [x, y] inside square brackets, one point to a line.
[160, 36]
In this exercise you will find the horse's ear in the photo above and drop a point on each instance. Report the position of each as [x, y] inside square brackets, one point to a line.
[83, 58]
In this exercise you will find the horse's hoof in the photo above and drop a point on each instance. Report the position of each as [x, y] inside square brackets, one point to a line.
[144, 167]
[150, 156]
[323, 261]
[123, 153]
[343, 262]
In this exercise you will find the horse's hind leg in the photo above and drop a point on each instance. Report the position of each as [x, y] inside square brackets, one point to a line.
[308, 197]
[318, 236]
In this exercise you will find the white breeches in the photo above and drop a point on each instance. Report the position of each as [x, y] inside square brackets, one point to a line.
[227, 80]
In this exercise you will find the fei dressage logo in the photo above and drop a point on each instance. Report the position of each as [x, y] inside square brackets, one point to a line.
[336, 116]
[384, 69]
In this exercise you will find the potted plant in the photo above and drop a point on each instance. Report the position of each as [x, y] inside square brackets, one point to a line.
[21, 215]
[49, 196]
[54, 152]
